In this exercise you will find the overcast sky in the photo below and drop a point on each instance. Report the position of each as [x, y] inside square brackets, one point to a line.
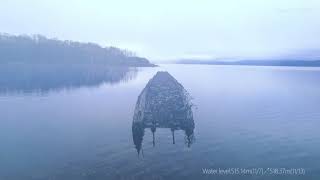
[171, 29]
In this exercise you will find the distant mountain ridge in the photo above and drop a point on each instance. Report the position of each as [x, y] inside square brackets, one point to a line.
[306, 63]
[38, 49]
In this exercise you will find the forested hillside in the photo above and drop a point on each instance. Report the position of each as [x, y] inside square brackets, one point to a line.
[38, 49]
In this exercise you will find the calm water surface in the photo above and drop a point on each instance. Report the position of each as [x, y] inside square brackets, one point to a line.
[245, 117]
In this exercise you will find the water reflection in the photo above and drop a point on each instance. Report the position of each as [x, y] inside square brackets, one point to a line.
[163, 103]
[43, 78]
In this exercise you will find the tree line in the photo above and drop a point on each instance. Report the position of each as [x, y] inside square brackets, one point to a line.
[38, 49]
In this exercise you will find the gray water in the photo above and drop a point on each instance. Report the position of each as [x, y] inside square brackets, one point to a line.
[245, 117]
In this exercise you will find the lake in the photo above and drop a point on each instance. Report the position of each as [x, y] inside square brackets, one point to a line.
[247, 119]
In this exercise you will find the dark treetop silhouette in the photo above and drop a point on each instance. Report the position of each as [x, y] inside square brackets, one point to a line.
[38, 64]
[38, 49]
[163, 103]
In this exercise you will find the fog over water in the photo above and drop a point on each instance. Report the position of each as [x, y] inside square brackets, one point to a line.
[244, 117]
[161, 30]
[87, 93]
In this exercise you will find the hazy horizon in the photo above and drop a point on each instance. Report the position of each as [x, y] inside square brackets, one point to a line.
[162, 30]
[159, 90]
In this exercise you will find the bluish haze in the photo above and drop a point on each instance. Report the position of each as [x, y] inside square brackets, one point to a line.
[167, 29]
[244, 116]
